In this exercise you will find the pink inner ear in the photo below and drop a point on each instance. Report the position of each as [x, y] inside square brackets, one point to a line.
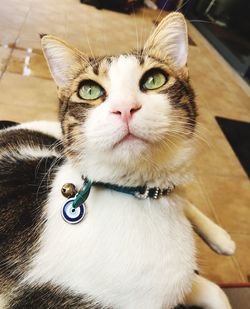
[63, 60]
[181, 52]
[169, 40]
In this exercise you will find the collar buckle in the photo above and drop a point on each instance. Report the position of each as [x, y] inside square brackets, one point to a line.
[154, 193]
[142, 196]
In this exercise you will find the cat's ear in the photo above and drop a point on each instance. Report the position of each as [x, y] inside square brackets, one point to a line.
[169, 41]
[64, 61]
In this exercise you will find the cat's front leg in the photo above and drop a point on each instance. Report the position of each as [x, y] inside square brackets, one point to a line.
[215, 236]
[207, 295]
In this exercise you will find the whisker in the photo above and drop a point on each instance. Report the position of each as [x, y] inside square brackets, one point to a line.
[136, 27]
[89, 45]
[162, 9]
[182, 6]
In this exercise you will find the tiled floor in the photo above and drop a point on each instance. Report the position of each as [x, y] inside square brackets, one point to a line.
[221, 188]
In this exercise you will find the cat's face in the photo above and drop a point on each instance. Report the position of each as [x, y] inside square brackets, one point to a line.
[127, 112]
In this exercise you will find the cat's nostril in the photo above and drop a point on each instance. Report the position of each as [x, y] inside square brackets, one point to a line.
[135, 109]
[126, 111]
[117, 112]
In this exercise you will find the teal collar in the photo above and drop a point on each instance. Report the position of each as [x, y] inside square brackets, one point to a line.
[140, 192]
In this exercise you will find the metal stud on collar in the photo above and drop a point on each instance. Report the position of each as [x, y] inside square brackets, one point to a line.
[157, 193]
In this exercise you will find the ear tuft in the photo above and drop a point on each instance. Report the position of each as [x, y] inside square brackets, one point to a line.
[64, 61]
[169, 41]
[42, 35]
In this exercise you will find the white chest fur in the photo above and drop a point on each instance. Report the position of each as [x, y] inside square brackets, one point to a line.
[128, 253]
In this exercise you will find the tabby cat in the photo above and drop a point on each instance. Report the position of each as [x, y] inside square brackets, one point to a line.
[127, 126]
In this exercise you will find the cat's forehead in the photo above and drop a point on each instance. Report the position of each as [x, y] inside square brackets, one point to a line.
[123, 69]
[120, 62]
[109, 64]
[115, 67]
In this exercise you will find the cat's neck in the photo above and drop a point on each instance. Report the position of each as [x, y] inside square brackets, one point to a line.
[177, 171]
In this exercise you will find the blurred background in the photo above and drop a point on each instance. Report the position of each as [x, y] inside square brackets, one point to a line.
[219, 44]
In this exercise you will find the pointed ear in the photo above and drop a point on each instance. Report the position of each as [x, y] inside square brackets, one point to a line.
[169, 41]
[63, 60]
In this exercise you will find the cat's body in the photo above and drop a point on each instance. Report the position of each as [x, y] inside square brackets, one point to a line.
[127, 120]
[127, 245]
[131, 236]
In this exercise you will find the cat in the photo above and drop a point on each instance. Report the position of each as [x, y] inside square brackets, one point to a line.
[126, 121]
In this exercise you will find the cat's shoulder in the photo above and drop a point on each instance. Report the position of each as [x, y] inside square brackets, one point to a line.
[30, 154]
[31, 134]
[52, 128]
[26, 151]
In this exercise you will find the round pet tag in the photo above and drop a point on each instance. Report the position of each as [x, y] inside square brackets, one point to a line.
[73, 215]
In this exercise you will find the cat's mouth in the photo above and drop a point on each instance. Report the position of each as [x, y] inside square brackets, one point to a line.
[129, 137]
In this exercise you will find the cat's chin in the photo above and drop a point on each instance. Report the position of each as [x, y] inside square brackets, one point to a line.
[129, 148]
[129, 139]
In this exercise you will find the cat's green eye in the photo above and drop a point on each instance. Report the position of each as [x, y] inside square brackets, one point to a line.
[153, 79]
[90, 90]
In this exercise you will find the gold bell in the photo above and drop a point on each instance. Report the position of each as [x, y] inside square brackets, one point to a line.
[68, 190]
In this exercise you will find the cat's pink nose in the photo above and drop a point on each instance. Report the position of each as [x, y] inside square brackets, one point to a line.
[126, 111]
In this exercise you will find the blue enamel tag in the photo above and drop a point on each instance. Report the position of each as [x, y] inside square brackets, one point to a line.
[72, 214]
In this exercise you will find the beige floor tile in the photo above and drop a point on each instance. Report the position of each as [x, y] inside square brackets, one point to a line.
[220, 269]
[207, 125]
[229, 106]
[218, 99]
[230, 198]
[17, 62]
[126, 33]
[242, 253]
[31, 39]
[24, 114]
[194, 194]
[30, 95]
[47, 6]
[8, 36]
[38, 22]
[45, 22]
[12, 18]
[4, 57]
[28, 63]
[26, 41]
[217, 158]
[13, 4]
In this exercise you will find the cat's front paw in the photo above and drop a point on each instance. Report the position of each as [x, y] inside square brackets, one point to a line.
[222, 242]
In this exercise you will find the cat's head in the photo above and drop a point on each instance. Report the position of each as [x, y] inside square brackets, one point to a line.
[130, 118]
